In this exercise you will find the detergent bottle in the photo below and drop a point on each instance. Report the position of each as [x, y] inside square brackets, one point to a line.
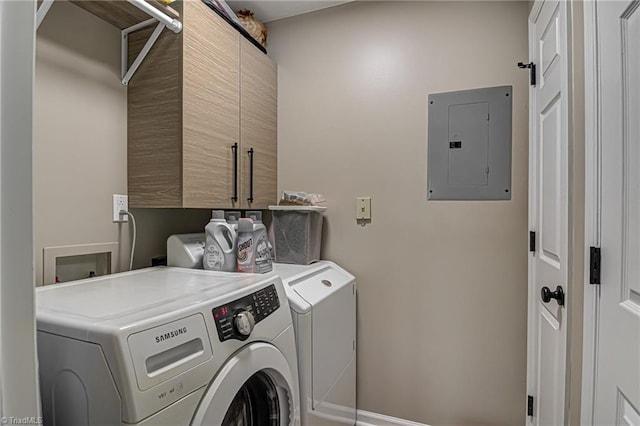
[246, 246]
[232, 218]
[262, 250]
[220, 244]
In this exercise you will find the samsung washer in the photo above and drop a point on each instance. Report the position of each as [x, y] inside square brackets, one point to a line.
[167, 346]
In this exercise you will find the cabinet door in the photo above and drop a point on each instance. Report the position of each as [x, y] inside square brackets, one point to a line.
[211, 107]
[258, 126]
[154, 122]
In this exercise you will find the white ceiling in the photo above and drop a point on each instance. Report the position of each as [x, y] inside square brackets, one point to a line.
[270, 10]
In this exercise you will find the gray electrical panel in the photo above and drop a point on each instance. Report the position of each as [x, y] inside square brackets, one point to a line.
[470, 145]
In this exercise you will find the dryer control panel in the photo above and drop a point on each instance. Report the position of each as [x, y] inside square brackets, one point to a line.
[231, 318]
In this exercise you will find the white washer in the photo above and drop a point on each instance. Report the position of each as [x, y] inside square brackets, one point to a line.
[167, 346]
[322, 297]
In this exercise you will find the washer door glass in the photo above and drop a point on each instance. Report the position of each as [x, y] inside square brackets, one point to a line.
[255, 387]
[255, 404]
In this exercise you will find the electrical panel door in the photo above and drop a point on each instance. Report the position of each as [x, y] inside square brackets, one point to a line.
[470, 145]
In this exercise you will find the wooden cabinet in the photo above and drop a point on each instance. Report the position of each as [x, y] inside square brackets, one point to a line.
[211, 107]
[202, 104]
[258, 127]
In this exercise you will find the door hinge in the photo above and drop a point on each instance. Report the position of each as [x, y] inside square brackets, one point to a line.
[594, 265]
[532, 71]
[532, 241]
[529, 406]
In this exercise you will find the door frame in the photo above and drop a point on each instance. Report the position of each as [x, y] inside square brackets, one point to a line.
[19, 388]
[593, 147]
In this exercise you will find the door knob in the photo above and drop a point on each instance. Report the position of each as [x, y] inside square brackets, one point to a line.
[547, 295]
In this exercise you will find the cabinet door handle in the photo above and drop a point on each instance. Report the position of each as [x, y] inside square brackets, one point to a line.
[234, 150]
[250, 198]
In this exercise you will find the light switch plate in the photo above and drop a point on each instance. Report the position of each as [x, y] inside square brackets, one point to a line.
[363, 208]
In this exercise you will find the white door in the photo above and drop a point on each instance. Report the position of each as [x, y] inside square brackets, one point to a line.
[615, 399]
[548, 213]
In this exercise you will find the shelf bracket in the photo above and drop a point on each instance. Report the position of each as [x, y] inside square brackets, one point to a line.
[157, 16]
[126, 70]
[42, 11]
[163, 21]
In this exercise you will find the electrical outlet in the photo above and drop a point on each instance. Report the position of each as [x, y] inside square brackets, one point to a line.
[363, 208]
[120, 202]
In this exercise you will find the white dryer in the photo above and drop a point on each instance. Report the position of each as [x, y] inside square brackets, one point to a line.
[322, 297]
[167, 346]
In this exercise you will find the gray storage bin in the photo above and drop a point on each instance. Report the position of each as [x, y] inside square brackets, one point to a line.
[297, 233]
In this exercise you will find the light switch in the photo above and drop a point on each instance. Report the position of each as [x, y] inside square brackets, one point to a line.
[363, 208]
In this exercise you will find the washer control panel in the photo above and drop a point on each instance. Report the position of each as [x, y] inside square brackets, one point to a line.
[235, 320]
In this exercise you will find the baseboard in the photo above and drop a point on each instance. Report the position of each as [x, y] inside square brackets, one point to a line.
[366, 418]
[336, 414]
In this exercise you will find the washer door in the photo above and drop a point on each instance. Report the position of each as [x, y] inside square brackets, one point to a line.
[256, 387]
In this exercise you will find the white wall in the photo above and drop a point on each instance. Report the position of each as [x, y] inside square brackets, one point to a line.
[442, 285]
[156, 225]
[576, 213]
[80, 137]
[80, 144]
[18, 377]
